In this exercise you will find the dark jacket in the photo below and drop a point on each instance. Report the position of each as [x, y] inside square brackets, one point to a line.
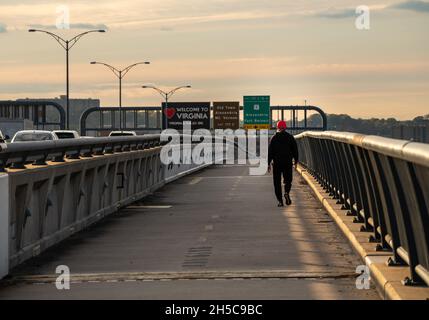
[282, 148]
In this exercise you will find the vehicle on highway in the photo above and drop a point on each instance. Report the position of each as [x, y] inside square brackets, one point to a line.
[33, 135]
[66, 134]
[122, 134]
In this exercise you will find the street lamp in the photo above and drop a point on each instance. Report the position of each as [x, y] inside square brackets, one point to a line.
[166, 95]
[120, 74]
[67, 45]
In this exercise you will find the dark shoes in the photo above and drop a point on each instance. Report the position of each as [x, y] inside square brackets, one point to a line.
[287, 199]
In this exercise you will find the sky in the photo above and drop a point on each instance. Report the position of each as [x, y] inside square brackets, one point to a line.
[291, 50]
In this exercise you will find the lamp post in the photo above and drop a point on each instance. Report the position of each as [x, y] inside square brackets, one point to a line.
[166, 95]
[67, 45]
[120, 74]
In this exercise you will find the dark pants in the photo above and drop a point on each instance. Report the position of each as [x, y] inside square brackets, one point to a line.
[284, 169]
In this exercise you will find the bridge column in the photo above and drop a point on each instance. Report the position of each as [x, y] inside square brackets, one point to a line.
[4, 225]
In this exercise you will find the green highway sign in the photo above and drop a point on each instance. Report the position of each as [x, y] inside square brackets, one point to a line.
[256, 112]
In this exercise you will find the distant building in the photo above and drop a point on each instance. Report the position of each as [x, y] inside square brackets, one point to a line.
[11, 126]
[417, 133]
[77, 107]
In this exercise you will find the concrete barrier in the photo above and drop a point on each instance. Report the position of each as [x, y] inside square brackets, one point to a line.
[43, 203]
[4, 225]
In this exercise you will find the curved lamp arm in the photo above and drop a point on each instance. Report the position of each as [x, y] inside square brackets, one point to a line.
[60, 40]
[115, 71]
[125, 71]
[64, 42]
[176, 89]
[161, 92]
[75, 39]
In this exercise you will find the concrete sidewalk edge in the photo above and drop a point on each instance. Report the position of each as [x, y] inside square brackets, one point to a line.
[387, 279]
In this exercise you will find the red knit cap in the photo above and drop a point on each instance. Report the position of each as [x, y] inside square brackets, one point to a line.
[281, 125]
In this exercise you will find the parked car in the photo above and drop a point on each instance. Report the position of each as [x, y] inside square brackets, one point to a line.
[33, 135]
[66, 134]
[122, 134]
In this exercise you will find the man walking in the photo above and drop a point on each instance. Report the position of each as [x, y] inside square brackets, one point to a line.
[281, 151]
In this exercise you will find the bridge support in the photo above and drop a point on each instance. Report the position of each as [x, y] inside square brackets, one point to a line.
[4, 225]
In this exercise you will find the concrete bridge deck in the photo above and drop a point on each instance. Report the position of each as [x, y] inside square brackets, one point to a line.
[216, 234]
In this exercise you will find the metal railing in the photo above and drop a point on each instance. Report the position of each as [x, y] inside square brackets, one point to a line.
[384, 183]
[16, 155]
[44, 114]
[106, 119]
[148, 119]
[298, 120]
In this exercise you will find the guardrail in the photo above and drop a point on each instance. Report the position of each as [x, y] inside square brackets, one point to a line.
[16, 155]
[51, 190]
[384, 183]
[35, 110]
[148, 119]
[294, 125]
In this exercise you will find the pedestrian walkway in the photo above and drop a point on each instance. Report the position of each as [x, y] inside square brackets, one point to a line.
[217, 234]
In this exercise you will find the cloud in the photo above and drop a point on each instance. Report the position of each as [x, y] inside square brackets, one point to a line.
[166, 29]
[3, 28]
[413, 5]
[89, 26]
[336, 14]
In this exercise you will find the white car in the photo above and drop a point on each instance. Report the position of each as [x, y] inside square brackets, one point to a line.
[122, 134]
[66, 134]
[33, 135]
